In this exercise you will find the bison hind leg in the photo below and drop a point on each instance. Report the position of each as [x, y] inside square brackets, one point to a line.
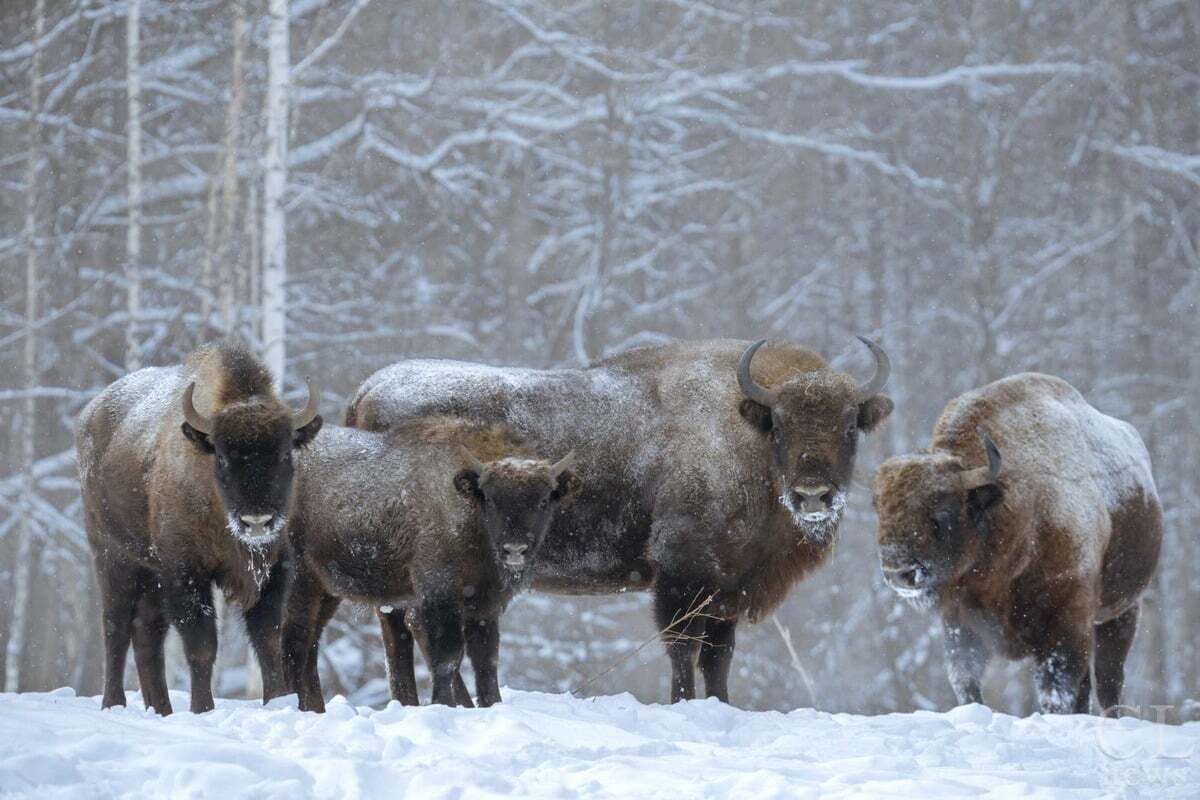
[1113, 640]
[119, 591]
[149, 631]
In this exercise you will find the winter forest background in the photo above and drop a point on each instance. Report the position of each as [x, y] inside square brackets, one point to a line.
[984, 188]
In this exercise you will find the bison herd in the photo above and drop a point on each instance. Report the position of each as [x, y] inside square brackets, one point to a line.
[712, 474]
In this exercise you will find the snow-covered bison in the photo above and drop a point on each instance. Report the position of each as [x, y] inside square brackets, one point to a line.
[186, 474]
[442, 515]
[714, 469]
[1033, 524]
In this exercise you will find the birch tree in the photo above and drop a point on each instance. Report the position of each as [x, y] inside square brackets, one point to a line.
[133, 158]
[29, 546]
[275, 168]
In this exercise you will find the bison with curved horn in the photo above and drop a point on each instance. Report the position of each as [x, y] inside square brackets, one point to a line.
[1032, 524]
[715, 469]
[186, 474]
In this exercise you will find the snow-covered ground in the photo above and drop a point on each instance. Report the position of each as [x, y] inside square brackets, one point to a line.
[540, 745]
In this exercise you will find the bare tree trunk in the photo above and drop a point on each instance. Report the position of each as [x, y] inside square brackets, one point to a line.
[14, 627]
[207, 284]
[226, 251]
[88, 674]
[253, 287]
[35, 661]
[274, 308]
[133, 234]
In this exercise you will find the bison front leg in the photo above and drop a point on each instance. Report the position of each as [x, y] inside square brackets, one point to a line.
[441, 618]
[676, 606]
[398, 650]
[966, 660]
[263, 628]
[716, 656]
[483, 646]
[1060, 673]
[190, 607]
[307, 610]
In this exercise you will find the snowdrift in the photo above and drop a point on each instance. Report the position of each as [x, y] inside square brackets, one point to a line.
[541, 745]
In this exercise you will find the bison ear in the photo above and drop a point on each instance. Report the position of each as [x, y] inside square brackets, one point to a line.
[873, 411]
[303, 436]
[197, 438]
[467, 484]
[756, 414]
[981, 500]
[568, 485]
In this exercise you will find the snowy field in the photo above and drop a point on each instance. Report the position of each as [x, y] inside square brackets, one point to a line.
[540, 745]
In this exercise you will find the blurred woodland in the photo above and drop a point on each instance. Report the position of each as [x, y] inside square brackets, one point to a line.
[985, 188]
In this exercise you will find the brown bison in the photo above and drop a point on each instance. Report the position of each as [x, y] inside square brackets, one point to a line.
[187, 476]
[715, 469]
[413, 518]
[1032, 523]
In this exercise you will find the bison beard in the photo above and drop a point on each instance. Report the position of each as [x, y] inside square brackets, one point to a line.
[818, 527]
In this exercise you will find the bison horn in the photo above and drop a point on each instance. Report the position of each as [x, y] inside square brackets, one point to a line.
[473, 461]
[982, 476]
[883, 368]
[565, 463]
[195, 418]
[749, 387]
[309, 412]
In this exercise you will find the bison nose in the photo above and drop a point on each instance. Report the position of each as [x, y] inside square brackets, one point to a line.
[516, 549]
[812, 499]
[256, 520]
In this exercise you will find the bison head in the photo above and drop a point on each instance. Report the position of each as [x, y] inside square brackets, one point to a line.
[517, 499]
[933, 518]
[812, 421]
[252, 441]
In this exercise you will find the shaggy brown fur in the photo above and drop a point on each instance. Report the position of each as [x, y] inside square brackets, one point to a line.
[689, 484]
[163, 507]
[408, 519]
[1046, 560]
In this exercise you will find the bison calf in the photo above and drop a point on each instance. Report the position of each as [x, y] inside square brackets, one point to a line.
[187, 476]
[1033, 524]
[415, 518]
